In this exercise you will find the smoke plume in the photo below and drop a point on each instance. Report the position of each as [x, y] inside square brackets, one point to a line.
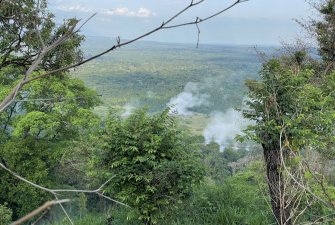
[223, 127]
[128, 109]
[188, 99]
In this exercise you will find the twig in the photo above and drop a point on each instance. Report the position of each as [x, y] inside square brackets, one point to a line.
[39, 210]
[198, 32]
[44, 214]
[63, 209]
[10, 97]
[206, 18]
[298, 183]
[55, 192]
[84, 23]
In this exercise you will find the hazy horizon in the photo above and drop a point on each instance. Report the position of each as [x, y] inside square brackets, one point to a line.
[275, 45]
[255, 22]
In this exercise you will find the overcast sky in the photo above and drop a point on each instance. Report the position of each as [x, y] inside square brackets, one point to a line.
[260, 22]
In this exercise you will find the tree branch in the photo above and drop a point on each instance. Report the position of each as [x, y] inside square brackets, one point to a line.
[56, 192]
[39, 210]
[12, 95]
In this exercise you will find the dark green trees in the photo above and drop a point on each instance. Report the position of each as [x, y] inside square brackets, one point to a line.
[37, 128]
[153, 163]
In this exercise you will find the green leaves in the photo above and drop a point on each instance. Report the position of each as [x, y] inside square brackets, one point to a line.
[5, 214]
[153, 166]
[285, 100]
[293, 109]
[324, 31]
[34, 123]
[50, 114]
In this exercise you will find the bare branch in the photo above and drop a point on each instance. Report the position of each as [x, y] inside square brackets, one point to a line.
[12, 95]
[198, 32]
[39, 35]
[25, 180]
[55, 192]
[40, 209]
[66, 214]
[207, 18]
[43, 215]
[300, 184]
[83, 24]
[113, 200]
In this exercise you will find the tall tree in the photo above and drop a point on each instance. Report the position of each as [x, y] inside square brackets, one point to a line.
[292, 115]
[293, 107]
[36, 129]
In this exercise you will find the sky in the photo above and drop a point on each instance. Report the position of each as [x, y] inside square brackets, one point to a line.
[254, 22]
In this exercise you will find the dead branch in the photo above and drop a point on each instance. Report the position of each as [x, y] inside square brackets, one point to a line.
[55, 192]
[40, 209]
[26, 79]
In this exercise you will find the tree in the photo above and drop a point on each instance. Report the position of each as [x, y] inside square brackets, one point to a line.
[278, 105]
[38, 127]
[294, 113]
[153, 163]
[325, 32]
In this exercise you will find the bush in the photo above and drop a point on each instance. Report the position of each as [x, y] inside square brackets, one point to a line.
[153, 163]
[237, 201]
[5, 214]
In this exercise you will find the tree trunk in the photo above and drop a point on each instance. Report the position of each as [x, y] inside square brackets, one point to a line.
[280, 207]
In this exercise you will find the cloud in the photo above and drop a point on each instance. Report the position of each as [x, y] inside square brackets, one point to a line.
[188, 99]
[124, 11]
[73, 8]
[62, 5]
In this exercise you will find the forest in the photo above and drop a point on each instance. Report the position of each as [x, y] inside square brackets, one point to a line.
[98, 130]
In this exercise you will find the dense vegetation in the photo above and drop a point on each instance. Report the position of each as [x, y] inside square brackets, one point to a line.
[145, 167]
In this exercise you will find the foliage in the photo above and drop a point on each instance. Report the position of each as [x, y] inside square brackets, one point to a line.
[291, 101]
[325, 32]
[293, 107]
[239, 200]
[89, 219]
[48, 114]
[216, 161]
[154, 164]
[5, 215]
[20, 43]
[82, 203]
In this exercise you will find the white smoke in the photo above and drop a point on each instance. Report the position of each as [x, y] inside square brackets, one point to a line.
[223, 127]
[150, 94]
[188, 99]
[128, 109]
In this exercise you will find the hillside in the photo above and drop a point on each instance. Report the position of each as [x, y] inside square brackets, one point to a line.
[150, 74]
